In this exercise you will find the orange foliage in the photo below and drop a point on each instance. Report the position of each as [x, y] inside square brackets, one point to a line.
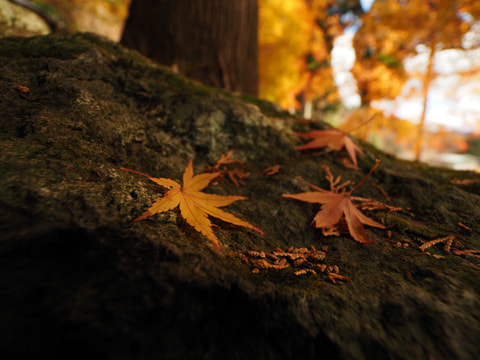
[284, 30]
[294, 51]
[392, 30]
[364, 123]
[444, 140]
[367, 123]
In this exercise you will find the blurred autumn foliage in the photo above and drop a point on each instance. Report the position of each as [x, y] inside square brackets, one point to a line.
[393, 30]
[296, 39]
[295, 43]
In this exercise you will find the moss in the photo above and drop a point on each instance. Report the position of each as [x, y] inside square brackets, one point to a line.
[409, 226]
[51, 46]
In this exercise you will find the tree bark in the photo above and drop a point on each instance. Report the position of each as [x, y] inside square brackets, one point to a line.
[213, 41]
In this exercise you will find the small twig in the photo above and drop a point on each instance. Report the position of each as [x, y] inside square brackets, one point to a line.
[370, 204]
[467, 252]
[464, 226]
[382, 190]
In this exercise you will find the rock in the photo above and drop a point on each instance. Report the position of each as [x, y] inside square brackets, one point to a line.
[79, 278]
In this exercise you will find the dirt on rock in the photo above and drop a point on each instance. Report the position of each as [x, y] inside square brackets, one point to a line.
[79, 278]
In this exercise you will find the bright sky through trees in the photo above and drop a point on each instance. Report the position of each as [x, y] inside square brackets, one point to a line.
[366, 4]
[343, 57]
[454, 101]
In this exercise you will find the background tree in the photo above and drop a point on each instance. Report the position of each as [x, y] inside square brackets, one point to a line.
[392, 30]
[213, 41]
[295, 43]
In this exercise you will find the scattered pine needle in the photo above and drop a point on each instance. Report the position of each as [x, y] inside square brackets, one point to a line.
[464, 226]
[475, 253]
[304, 261]
[332, 277]
[448, 239]
[370, 204]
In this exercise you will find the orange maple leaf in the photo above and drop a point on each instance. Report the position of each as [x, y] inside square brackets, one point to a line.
[334, 206]
[333, 138]
[195, 206]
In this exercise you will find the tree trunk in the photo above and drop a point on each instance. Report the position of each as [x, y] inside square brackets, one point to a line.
[213, 41]
[426, 87]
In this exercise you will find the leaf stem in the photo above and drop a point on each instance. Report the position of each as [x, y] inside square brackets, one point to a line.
[313, 186]
[366, 176]
[136, 172]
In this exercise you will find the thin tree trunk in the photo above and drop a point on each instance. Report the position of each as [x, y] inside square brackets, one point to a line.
[426, 87]
[213, 41]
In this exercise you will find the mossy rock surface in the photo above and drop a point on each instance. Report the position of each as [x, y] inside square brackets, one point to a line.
[80, 278]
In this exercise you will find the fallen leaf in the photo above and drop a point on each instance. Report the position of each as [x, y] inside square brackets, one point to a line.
[224, 160]
[334, 181]
[272, 170]
[334, 139]
[23, 89]
[195, 206]
[236, 176]
[335, 205]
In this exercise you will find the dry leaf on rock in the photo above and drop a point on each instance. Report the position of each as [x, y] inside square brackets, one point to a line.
[334, 139]
[335, 205]
[236, 175]
[195, 206]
